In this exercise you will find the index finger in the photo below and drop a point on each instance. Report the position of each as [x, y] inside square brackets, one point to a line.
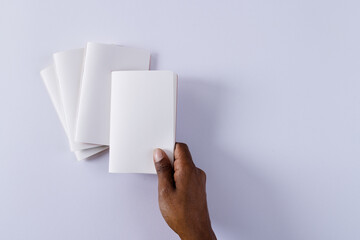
[182, 157]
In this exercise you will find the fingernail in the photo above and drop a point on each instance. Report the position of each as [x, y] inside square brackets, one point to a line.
[158, 154]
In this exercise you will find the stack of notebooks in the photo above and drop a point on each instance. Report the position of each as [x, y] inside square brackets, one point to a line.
[106, 97]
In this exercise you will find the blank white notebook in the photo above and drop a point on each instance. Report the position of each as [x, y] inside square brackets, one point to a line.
[69, 66]
[143, 117]
[52, 85]
[93, 124]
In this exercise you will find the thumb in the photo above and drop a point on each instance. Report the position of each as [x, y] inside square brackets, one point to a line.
[164, 170]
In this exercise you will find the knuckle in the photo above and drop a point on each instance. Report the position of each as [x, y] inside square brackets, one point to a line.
[202, 174]
[185, 169]
[184, 165]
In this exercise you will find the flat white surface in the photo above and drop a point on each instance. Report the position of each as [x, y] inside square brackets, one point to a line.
[143, 117]
[93, 123]
[69, 69]
[269, 103]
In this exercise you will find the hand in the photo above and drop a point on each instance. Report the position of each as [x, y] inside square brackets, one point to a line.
[182, 195]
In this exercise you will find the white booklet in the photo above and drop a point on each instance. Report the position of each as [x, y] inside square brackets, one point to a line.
[52, 85]
[143, 117]
[93, 123]
[69, 66]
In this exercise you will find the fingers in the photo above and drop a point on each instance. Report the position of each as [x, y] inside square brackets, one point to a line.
[183, 159]
[164, 170]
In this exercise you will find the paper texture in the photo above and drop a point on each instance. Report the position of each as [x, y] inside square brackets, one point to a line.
[52, 85]
[69, 66]
[93, 124]
[143, 117]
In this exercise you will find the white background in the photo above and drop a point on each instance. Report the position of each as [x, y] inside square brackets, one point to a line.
[269, 103]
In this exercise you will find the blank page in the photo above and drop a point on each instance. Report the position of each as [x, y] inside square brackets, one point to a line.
[52, 86]
[143, 117]
[93, 125]
[51, 82]
[69, 66]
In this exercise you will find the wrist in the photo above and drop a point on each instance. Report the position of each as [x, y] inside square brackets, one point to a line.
[207, 234]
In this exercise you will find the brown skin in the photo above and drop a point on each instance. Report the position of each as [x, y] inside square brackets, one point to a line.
[182, 195]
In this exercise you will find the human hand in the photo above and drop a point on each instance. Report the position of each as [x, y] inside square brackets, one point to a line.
[182, 195]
